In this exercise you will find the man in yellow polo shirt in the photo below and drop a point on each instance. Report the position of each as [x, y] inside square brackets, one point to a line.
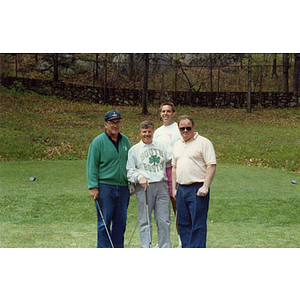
[194, 166]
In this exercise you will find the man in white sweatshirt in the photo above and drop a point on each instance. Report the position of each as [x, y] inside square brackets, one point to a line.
[169, 134]
[146, 167]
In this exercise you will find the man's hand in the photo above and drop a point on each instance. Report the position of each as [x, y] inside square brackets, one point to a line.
[174, 193]
[202, 191]
[94, 193]
[144, 183]
[210, 173]
[174, 183]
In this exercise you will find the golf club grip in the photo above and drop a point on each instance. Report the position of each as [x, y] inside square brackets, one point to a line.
[146, 197]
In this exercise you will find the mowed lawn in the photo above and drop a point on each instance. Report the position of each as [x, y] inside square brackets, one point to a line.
[253, 202]
[250, 207]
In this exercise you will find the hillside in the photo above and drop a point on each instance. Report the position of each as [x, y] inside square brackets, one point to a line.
[34, 127]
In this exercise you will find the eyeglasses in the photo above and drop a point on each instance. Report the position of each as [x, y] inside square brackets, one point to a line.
[187, 128]
[114, 123]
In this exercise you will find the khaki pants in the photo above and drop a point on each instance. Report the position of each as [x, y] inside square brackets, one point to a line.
[159, 201]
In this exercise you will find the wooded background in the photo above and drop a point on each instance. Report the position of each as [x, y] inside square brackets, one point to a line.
[210, 72]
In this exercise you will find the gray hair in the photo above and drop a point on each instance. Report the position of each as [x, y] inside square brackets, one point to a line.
[185, 117]
[146, 124]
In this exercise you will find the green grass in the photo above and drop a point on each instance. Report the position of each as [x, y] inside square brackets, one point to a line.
[250, 207]
[43, 213]
[254, 207]
[46, 128]
[253, 203]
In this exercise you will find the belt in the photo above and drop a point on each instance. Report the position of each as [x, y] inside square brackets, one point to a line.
[190, 183]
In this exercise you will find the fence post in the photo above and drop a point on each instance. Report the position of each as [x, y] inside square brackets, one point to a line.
[175, 82]
[16, 64]
[249, 84]
[105, 78]
[261, 83]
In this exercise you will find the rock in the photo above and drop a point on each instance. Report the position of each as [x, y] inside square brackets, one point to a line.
[159, 63]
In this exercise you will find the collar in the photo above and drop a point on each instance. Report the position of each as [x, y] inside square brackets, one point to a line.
[144, 145]
[190, 140]
[168, 126]
[119, 136]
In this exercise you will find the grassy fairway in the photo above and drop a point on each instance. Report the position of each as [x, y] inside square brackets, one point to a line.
[53, 211]
[253, 203]
[250, 207]
[254, 207]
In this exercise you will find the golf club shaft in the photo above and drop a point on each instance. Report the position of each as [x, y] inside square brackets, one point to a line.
[174, 228]
[148, 219]
[108, 234]
[133, 233]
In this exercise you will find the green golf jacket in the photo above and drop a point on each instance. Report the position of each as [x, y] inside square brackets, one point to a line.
[105, 164]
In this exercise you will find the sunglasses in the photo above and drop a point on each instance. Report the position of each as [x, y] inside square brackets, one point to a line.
[187, 128]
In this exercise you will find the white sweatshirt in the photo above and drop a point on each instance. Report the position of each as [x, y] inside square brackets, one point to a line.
[168, 135]
[149, 161]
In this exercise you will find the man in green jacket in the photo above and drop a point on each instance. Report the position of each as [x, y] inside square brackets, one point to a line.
[107, 181]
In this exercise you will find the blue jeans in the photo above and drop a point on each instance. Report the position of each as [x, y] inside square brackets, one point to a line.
[192, 215]
[113, 201]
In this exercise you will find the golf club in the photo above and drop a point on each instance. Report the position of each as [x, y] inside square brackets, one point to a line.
[148, 219]
[174, 229]
[133, 233]
[112, 245]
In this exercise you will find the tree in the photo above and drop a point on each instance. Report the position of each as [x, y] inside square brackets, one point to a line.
[249, 83]
[56, 60]
[55, 64]
[145, 85]
[105, 78]
[262, 69]
[285, 72]
[210, 73]
[296, 74]
[274, 66]
[16, 64]
[96, 67]
[132, 69]
[130, 66]
[178, 65]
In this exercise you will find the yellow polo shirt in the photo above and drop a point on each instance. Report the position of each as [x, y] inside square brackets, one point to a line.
[192, 158]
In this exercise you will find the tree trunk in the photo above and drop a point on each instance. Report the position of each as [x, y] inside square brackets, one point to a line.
[261, 84]
[97, 73]
[145, 85]
[274, 66]
[285, 72]
[55, 58]
[175, 79]
[105, 78]
[130, 66]
[16, 64]
[296, 74]
[249, 84]
[262, 71]
[210, 74]
[219, 79]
